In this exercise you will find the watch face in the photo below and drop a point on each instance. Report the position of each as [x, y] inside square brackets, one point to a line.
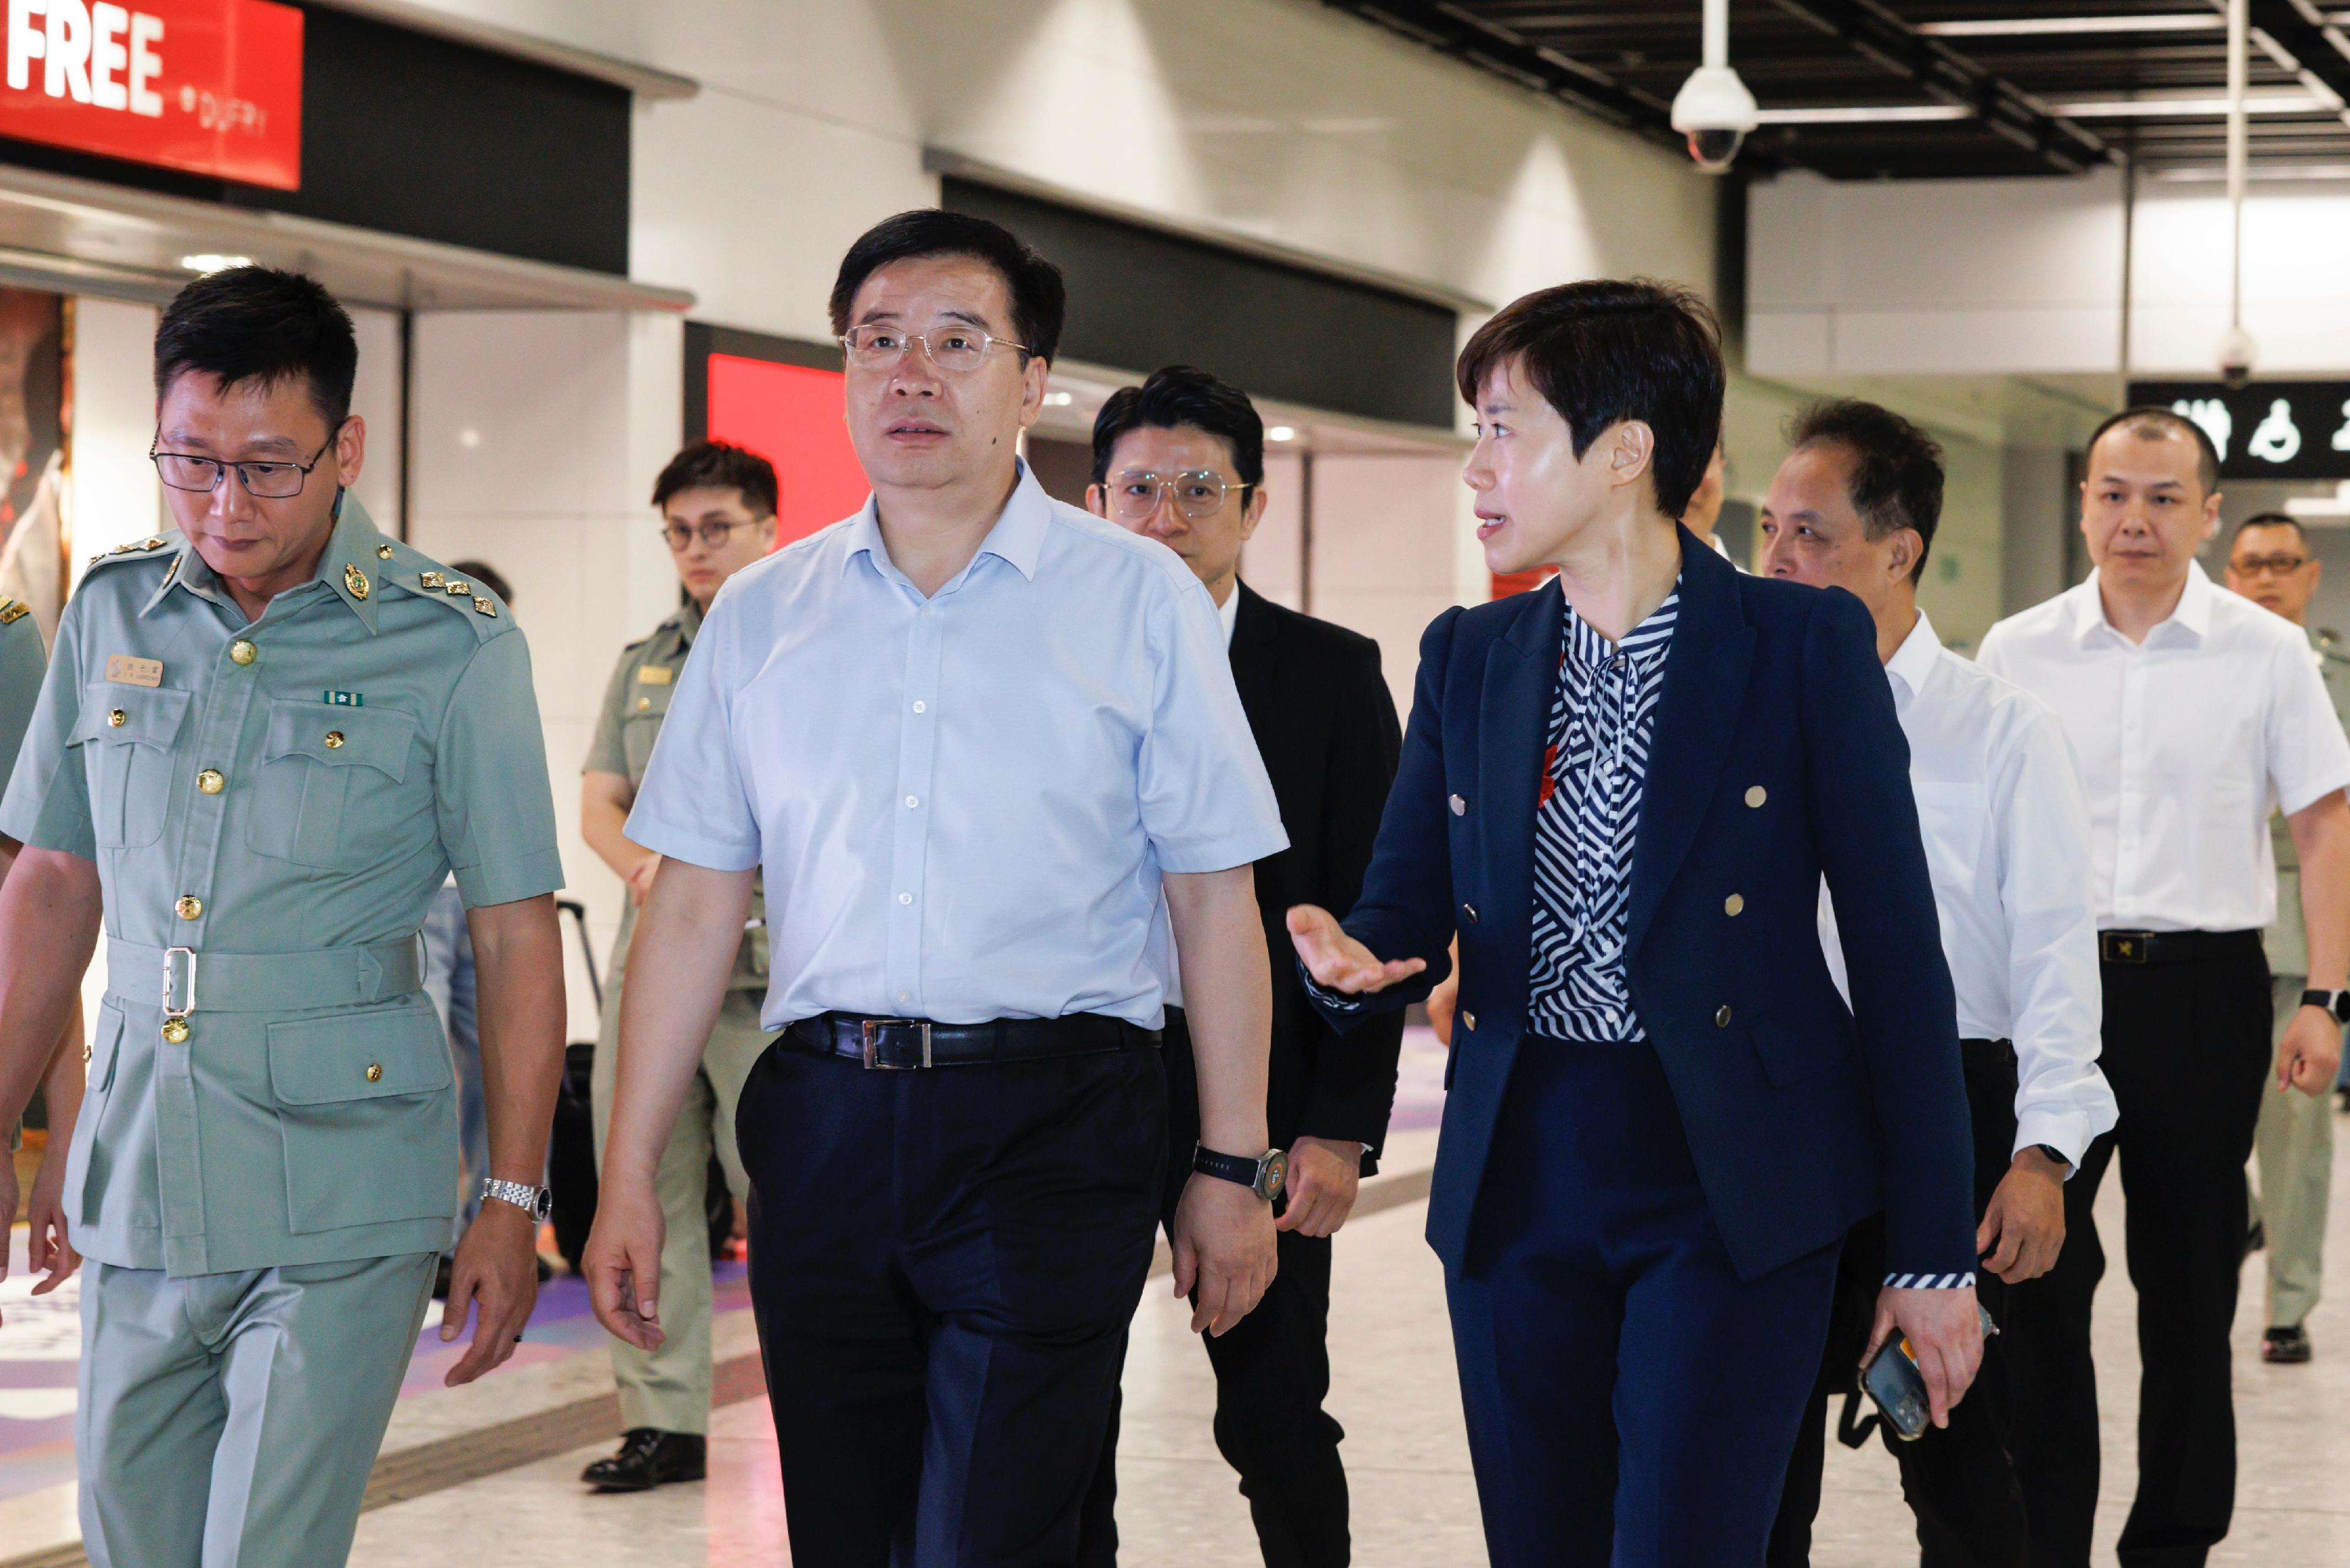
[1271, 1174]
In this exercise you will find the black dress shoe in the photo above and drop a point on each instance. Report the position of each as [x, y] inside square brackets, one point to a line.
[647, 1458]
[2284, 1346]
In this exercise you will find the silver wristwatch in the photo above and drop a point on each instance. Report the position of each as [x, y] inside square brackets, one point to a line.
[536, 1201]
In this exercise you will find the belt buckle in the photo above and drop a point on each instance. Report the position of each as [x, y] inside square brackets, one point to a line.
[2122, 947]
[875, 1028]
[172, 1007]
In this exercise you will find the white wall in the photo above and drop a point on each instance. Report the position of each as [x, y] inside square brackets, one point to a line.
[116, 496]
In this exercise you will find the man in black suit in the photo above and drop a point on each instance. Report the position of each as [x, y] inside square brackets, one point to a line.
[1180, 459]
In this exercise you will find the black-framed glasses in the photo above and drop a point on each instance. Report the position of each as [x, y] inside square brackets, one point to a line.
[1198, 495]
[956, 349]
[713, 534]
[2269, 566]
[262, 481]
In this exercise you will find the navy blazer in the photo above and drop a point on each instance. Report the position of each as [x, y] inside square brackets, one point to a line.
[1777, 758]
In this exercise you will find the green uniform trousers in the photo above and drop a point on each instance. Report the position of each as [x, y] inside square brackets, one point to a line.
[2295, 1146]
[230, 1420]
[669, 1388]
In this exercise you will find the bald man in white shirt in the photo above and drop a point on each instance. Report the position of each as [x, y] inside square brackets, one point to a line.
[2191, 711]
[1856, 506]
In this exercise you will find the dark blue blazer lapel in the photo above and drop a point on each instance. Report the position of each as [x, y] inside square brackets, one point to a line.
[1696, 716]
[1513, 728]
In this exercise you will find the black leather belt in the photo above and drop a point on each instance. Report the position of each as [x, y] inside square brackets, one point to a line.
[912, 1044]
[1999, 1053]
[2134, 947]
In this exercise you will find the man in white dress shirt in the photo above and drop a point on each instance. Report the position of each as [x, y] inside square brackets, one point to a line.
[1855, 506]
[2191, 711]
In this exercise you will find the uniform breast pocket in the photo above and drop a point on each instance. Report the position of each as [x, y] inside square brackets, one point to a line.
[128, 734]
[648, 706]
[330, 784]
[364, 1104]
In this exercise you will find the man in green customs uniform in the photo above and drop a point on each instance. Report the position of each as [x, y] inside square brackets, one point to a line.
[265, 740]
[23, 662]
[2270, 562]
[717, 504]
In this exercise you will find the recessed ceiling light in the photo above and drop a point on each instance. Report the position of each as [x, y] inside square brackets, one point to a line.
[1281, 432]
[212, 261]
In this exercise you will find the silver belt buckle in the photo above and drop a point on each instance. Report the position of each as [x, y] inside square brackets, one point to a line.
[172, 1006]
[874, 1028]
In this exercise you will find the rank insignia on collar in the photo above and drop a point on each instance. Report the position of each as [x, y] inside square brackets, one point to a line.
[484, 606]
[13, 610]
[355, 580]
[458, 589]
[430, 580]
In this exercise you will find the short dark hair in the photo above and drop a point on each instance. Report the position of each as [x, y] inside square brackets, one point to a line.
[1039, 298]
[2269, 520]
[483, 572]
[1178, 394]
[720, 465]
[257, 324]
[1897, 468]
[2152, 423]
[1608, 349]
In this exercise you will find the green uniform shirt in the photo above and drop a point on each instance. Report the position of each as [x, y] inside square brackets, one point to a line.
[22, 662]
[635, 703]
[275, 802]
[2286, 942]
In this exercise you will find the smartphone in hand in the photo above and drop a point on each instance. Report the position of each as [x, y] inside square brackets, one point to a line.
[1893, 1380]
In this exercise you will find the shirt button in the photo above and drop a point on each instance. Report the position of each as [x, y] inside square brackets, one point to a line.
[905, 898]
[375, 1073]
[905, 996]
[188, 907]
[922, 707]
[116, 720]
[242, 652]
[911, 802]
[926, 613]
[1722, 1017]
[211, 780]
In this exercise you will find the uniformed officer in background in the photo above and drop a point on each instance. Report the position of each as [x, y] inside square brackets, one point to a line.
[23, 660]
[264, 739]
[2270, 563]
[717, 504]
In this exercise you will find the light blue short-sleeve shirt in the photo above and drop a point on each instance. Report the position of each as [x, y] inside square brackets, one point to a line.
[962, 805]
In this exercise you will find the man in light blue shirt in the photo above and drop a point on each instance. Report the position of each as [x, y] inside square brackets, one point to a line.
[970, 735]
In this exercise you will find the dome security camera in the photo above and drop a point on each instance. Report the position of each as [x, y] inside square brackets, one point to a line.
[1714, 112]
[2237, 353]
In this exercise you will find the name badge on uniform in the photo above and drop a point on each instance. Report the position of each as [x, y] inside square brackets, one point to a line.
[652, 674]
[343, 698]
[123, 669]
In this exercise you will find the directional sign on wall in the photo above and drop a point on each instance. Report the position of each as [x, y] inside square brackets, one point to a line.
[2269, 430]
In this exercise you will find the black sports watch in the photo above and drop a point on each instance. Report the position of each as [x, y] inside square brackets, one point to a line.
[1263, 1176]
[2336, 1002]
[2052, 1152]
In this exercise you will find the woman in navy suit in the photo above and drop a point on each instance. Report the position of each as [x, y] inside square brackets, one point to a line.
[1623, 791]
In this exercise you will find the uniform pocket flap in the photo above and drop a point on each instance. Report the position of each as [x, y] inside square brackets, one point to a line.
[130, 715]
[1790, 1053]
[341, 737]
[359, 1056]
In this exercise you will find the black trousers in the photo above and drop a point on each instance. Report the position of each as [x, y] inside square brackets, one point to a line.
[943, 1264]
[1959, 1481]
[1273, 1372]
[2186, 1050]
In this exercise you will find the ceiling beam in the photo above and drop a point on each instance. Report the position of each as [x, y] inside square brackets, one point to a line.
[2289, 29]
[1942, 73]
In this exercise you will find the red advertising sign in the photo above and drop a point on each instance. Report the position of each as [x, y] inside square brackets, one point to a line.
[213, 86]
[792, 416]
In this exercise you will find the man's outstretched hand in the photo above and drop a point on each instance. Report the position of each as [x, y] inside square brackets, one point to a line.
[1336, 961]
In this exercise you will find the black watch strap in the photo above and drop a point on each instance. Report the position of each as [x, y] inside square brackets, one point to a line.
[1263, 1176]
[2052, 1152]
[2336, 1002]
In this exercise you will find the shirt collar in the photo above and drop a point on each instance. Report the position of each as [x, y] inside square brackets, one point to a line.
[1018, 536]
[1913, 661]
[352, 567]
[1229, 612]
[2191, 615]
[1650, 640]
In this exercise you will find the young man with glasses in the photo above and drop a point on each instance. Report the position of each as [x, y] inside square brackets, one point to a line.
[265, 738]
[1180, 459]
[2269, 562]
[979, 740]
[717, 504]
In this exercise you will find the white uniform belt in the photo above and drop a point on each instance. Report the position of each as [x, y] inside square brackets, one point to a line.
[186, 981]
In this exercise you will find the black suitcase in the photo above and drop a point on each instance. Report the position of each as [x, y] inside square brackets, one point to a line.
[571, 1172]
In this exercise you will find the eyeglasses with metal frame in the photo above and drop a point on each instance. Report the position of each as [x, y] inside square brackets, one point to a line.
[265, 481]
[1198, 494]
[714, 534]
[955, 349]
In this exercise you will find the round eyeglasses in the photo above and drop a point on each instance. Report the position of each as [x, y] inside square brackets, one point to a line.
[712, 535]
[1198, 495]
[950, 348]
[263, 481]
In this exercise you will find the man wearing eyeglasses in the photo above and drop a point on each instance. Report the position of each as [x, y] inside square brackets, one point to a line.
[2270, 563]
[265, 738]
[974, 737]
[717, 504]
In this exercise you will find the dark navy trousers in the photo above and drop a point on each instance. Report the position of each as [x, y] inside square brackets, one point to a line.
[1631, 1402]
[943, 1264]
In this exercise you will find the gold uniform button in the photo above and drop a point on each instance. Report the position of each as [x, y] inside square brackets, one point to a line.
[211, 780]
[1722, 1017]
[383, 552]
[116, 720]
[1733, 904]
[375, 1072]
[643, 704]
[242, 652]
[334, 740]
[189, 906]
[175, 1031]
[1756, 794]
[85, 1055]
